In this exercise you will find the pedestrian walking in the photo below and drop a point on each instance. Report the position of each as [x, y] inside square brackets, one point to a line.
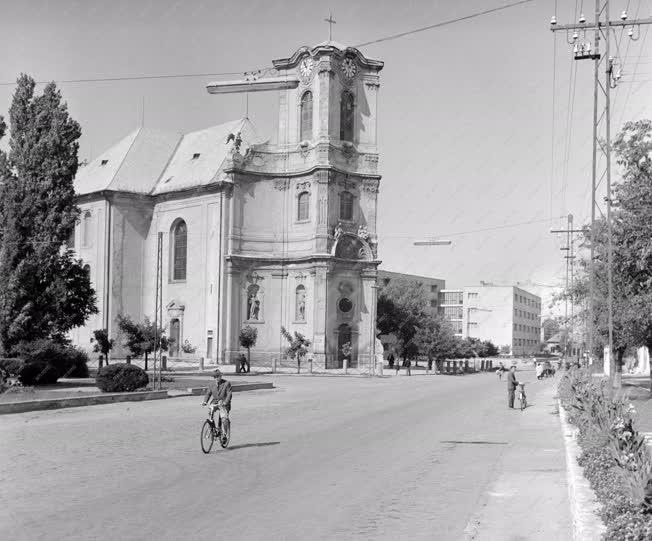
[391, 360]
[397, 366]
[408, 370]
[429, 369]
[512, 384]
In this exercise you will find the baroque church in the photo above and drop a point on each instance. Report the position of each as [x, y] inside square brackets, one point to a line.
[253, 233]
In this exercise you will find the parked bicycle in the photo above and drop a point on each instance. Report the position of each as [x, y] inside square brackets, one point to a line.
[211, 432]
[521, 395]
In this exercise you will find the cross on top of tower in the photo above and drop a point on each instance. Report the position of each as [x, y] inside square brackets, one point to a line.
[330, 22]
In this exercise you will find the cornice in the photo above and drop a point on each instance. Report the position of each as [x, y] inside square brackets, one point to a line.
[326, 48]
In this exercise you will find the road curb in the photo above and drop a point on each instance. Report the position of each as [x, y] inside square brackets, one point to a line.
[78, 401]
[112, 398]
[587, 524]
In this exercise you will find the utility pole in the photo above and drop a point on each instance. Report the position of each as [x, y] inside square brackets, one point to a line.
[582, 50]
[158, 309]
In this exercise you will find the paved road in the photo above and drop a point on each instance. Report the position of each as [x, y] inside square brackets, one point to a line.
[426, 457]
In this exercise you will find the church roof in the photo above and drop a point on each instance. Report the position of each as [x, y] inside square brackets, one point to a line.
[152, 162]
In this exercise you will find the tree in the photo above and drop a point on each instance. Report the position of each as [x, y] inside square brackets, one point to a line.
[140, 336]
[103, 344]
[44, 291]
[298, 346]
[435, 339]
[402, 310]
[248, 337]
[550, 328]
[505, 349]
[632, 252]
[491, 349]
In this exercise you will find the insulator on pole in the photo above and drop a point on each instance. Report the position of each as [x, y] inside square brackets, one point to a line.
[575, 35]
[623, 15]
[553, 20]
[582, 18]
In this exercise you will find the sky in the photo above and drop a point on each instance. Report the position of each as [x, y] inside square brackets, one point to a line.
[484, 132]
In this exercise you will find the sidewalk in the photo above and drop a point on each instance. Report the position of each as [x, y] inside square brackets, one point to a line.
[528, 499]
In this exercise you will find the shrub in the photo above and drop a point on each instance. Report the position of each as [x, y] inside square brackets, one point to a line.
[118, 378]
[45, 361]
[11, 366]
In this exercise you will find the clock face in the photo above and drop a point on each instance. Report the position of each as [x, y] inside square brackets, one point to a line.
[305, 67]
[348, 67]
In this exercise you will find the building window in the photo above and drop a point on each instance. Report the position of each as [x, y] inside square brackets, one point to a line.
[433, 289]
[346, 206]
[87, 229]
[473, 296]
[306, 116]
[347, 117]
[179, 250]
[303, 207]
[433, 303]
[71, 239]
[386, 281]
[300, 304]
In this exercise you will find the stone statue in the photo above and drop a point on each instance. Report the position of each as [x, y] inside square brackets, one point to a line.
[237, 140]
[363, 233]
[253, 305]
[337, 233]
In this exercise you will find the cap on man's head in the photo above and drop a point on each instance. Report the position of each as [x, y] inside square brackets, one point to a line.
[217, 373]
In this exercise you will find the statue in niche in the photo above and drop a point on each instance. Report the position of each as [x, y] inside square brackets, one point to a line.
[339, 230]
[301, 303]
[363, 233]
[253, 303]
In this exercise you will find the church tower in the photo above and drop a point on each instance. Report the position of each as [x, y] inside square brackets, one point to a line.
[301, 251]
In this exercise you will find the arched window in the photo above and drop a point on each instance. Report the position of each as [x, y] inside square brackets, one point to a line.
[87, 229]
[306, 116]
[300, 304]
[346, 116]
[303, 207]
[346, 206]
[179, 250]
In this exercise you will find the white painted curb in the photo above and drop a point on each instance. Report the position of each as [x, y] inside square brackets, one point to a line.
[587, 525]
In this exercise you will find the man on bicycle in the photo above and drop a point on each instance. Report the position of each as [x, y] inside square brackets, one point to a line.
[220, 391]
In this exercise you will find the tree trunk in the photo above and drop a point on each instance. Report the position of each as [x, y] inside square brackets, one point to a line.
[145, 361]
[617, 365]
[248, 360]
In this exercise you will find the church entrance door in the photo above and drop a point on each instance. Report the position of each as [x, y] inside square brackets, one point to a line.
[343, 337]
[175, 334]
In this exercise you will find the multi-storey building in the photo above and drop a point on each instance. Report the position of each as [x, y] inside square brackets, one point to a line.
[432, 286]
[506, 315]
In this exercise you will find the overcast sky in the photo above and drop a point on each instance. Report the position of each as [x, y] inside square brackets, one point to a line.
[465, 112]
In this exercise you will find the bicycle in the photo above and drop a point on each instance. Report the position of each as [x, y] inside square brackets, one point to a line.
[210, 432]
[521, 396]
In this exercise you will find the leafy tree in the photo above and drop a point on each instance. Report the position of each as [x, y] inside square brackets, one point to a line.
[402, 309]
[491, 350]
[551, 327]
[632, 253]
[248, 337]
[140, 336]
[103, 344]
[435, 338]
[298, 346]
[44, 291]
[505, 349]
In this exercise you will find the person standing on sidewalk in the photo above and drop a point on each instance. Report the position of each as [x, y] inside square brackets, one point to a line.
[512, 383]
[408, 364]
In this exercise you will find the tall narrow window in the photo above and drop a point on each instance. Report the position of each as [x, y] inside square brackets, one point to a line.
[346, 116]
[306, 116]
[179, 250]
[87, 229]
[303, 206]
[300, 304]
[346, 206]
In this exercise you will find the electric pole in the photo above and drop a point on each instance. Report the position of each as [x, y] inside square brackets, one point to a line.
[583, 50]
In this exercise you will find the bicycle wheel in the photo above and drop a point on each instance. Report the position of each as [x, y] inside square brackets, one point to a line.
[207, 436]
[226, 433]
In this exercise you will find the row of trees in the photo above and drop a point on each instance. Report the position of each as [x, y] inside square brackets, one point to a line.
[632, 254]
[403, 311]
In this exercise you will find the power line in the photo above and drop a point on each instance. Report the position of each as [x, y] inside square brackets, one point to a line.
[443, 23]
[134, 78]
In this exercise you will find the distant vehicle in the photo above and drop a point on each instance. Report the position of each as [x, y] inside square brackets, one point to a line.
[546, 370]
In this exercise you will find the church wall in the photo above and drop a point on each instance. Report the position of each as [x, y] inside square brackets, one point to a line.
[92, 253]
[193, 301]
[130, 225]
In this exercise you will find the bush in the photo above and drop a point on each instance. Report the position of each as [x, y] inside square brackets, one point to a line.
[45, 361]
[614, 456]
[11, 366]
[118, 378]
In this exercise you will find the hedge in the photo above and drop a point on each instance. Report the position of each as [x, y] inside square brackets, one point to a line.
[117, 378]
[614, 455]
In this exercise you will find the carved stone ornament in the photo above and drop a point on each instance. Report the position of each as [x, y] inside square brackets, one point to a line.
[300, 277]
[345, 288]
[370, 185]
[303, 185]
[253, 277]
[363, 233]
[281, 184]
[347, 184]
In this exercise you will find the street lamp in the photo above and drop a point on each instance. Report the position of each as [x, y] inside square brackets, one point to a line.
[432, 242]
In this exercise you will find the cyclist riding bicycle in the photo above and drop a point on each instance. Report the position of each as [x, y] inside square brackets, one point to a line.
[220, 391]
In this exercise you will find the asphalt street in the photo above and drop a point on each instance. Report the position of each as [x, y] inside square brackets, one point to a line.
[421, 457]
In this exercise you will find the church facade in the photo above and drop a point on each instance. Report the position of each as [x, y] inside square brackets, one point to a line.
[253, 233]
